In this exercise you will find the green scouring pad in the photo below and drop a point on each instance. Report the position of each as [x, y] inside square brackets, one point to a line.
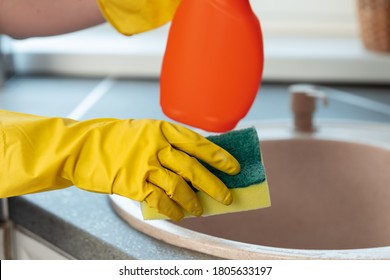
[249, 188]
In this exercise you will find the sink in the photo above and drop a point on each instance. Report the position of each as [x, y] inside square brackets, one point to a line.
[330, 192]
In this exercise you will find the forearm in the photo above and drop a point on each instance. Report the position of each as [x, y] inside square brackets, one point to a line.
[30, 18]
[25, 149]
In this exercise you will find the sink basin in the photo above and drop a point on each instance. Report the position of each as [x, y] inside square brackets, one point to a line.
[330, 192]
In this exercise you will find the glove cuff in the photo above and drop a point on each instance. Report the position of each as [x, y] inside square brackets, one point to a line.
[132, 17]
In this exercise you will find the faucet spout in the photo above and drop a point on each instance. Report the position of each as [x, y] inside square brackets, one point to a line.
[303, 105]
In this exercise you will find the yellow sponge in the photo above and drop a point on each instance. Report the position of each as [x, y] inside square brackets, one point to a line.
[249, 188]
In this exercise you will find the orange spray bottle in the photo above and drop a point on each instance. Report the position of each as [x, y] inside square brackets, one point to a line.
[212, 65]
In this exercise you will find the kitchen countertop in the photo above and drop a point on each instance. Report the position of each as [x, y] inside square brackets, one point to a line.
[83, 224]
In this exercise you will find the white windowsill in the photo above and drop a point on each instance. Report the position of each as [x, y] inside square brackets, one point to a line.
[286, 59]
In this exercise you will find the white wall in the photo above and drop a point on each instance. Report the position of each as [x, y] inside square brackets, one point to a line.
[307, 17]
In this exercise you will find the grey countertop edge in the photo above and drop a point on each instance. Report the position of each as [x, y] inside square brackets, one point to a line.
[85, 226]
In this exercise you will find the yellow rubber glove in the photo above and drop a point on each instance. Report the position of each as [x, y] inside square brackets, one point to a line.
[145, 160]
[135, 16]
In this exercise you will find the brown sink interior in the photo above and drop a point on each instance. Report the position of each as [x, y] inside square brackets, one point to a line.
[325, 195]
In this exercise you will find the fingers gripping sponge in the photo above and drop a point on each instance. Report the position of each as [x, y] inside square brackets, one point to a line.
[249, 188]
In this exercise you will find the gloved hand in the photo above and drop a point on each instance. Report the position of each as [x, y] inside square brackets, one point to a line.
[136, 16]
[145, 160]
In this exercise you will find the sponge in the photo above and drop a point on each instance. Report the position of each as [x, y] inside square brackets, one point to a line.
[249, 188]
